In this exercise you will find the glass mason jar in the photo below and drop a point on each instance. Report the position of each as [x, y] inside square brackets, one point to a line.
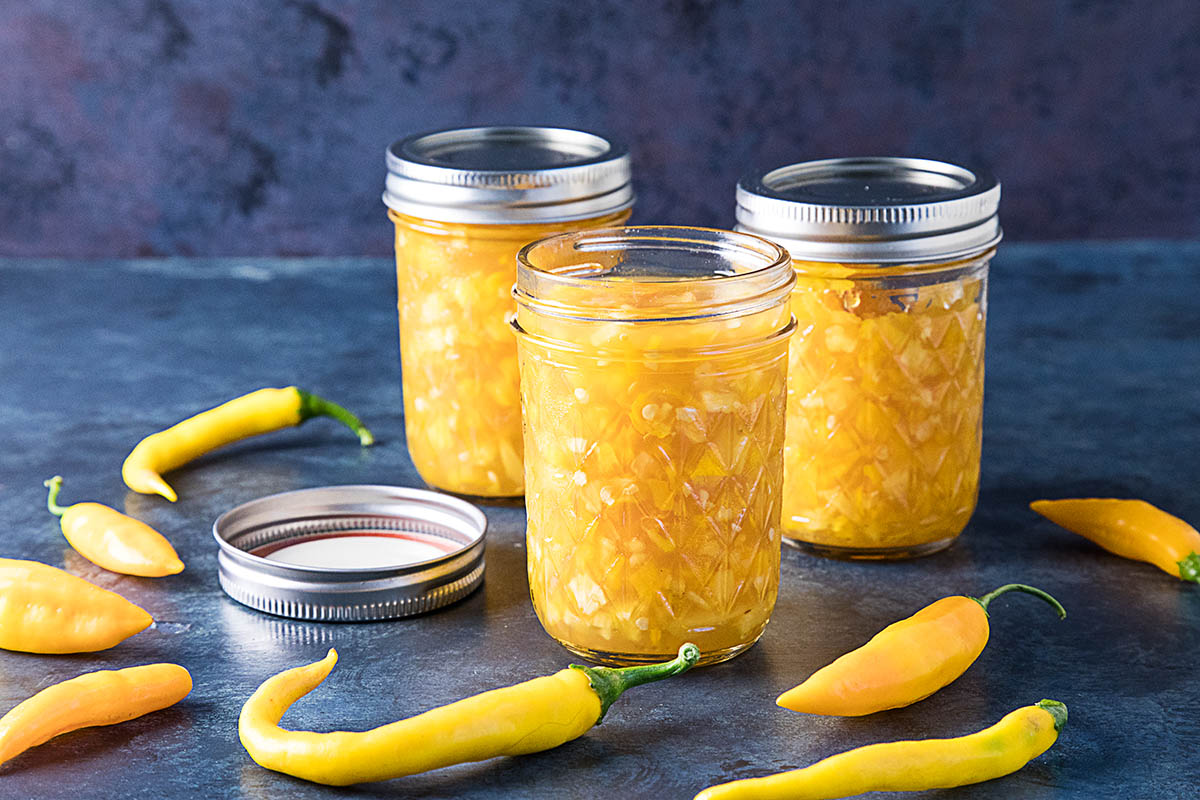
[463, 203]
[653, 379]
[885, 381]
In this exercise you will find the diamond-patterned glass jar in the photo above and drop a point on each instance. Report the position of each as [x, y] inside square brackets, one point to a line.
[463, 202]
[653, 380]
[885, 387]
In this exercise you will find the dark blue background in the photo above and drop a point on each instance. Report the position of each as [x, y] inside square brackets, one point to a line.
[151, 127]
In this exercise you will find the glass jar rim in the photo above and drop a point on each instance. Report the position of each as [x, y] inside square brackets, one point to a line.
[743, 273]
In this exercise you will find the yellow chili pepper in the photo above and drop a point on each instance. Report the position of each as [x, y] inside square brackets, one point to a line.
[912, 766]
[249, 415]
[109, 539]
[46, 610]
[535, 715]
[1132, 529]
[94, 698]
[905, 662]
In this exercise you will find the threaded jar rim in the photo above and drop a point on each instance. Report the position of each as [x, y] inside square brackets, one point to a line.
[690, 273]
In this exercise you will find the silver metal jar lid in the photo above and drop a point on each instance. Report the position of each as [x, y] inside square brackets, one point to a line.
[376, 584]
[507, 175]
[865, 210]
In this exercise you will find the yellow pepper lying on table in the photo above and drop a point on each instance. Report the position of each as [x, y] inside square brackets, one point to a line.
[535, 715]
[95, 698]
[906, 661]
[252, 414]
[46, 610]
[1130, 528]
[912, 766]
[109, 539]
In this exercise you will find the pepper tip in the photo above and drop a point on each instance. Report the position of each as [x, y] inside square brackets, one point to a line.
[161, 488]
[146, 481]
[785, 700]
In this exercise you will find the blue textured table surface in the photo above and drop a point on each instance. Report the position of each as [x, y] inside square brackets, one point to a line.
[1093, 388]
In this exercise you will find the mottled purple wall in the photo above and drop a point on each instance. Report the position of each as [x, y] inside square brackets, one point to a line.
[226, 128]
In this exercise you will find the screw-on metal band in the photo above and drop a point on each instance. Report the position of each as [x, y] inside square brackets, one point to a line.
[865, 210]
[503, 175]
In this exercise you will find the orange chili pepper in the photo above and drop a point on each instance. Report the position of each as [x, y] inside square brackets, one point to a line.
[905, 662]
[105, 697]
[47, 610]
[109, 539]
[1132, 529]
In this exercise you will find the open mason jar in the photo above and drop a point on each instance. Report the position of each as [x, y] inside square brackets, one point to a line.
[653, 379]
[463, 202]
[885, 382]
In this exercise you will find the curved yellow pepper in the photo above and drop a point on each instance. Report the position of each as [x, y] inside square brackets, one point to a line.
[911, 766]
[1132, 529]
[46, 610]
[105, 697]
[249, 415]
[109, 539]
[535, 715]
[905, 662]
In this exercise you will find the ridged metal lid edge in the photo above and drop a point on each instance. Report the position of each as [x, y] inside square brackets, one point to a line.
[375, 592]
[949, 212]
[568, 175]
[396, 608]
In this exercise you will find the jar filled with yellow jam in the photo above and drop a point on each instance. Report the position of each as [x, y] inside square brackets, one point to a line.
[463, 203]
[653, 379]
[885, 380]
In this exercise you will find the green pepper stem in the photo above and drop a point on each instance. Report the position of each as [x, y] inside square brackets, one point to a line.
[1057, 710]
[609, 683]
[55, 485]
[312, 405]
[1189, 568]
[1020, 587]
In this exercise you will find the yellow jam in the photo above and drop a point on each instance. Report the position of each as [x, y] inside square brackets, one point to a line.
[885, 397]
[653, 481]
[462, 410]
